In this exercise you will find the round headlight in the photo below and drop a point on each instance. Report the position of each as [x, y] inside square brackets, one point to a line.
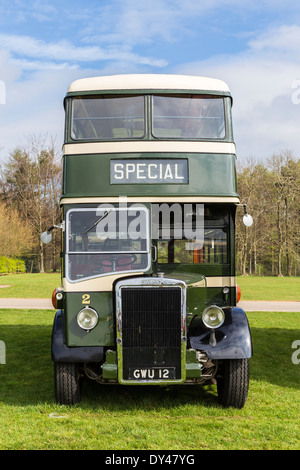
[213, 317]
[87, 318]
[59, 295]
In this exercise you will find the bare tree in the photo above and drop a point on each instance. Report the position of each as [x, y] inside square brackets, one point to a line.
[286, 182]
[31, 184]
[16, 236]
[271, 191]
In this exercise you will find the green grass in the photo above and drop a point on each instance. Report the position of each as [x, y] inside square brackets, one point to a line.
[269, 288]
[29, 285]
[252, 287]
[152, 418]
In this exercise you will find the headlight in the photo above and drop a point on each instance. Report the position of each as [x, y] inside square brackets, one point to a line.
[213, 316]
[87, 318]
[59, 295]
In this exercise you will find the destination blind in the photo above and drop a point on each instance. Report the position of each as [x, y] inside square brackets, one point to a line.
[149, 171]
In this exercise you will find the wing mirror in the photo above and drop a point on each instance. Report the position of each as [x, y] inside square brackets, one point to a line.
[247, 219]
[46, 237]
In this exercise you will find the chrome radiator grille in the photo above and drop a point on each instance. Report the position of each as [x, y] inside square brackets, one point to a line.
[151, 329]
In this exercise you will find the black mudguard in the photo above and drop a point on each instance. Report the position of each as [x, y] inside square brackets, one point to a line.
[62, 353]
[231, 341]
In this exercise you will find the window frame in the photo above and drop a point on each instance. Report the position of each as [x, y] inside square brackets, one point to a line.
[188, 138]
[106, 96]
[148, 112]
[215, 218]
[225, 254]
[71, 253]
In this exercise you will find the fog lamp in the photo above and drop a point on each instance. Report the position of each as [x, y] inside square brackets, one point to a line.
[87, 318]
[213, 317]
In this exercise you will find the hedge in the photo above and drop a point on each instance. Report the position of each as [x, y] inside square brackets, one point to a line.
[11, 265]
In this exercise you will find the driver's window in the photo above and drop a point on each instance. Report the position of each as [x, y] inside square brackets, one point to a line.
[107, 240]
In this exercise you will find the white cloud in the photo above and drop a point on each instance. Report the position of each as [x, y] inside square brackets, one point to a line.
[26, 46]
[8, 71]
[114, 35]
[261, 80]
[136, 23]
[25, 64]
[285, 38]
[33, 105]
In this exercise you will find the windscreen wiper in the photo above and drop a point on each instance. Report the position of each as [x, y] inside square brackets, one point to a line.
[97, 221]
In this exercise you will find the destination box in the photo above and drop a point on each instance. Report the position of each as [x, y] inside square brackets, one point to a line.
[150, 171]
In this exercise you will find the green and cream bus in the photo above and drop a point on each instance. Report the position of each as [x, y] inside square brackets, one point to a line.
[148, 207]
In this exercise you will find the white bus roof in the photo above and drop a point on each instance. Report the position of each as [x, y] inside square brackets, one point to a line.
[148, 82]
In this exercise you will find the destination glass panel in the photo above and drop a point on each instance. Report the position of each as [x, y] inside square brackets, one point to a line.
[188, 117]
[149, 171]
[106, 117]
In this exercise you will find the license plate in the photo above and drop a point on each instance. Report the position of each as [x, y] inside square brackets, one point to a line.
[154, 373]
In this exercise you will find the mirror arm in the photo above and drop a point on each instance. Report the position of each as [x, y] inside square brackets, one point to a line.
[244, 206]
[247, 219]
[46, 237]
[61, 226]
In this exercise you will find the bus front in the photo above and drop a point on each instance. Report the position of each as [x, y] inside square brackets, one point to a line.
[148, 206]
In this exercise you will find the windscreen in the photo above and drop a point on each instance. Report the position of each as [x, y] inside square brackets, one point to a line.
[123, 117]
[108, 117]
[106, 241]
[188, 117]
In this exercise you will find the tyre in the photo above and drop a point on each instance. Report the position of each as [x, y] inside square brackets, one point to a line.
[66, 383]
[233, 382]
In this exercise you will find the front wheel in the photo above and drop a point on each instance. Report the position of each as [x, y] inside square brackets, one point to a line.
[233, 382]
[66, 383]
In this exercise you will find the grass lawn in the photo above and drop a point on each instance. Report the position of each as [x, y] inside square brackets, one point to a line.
[152, 418]
[252, 287]
[29, 285]
[269, 288]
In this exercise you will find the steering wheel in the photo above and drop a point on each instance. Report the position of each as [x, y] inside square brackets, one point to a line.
[117, 260]
[114, 261]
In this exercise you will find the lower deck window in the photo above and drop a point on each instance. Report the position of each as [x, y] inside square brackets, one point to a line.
[117, 240]
[212, 251]
[105, 241]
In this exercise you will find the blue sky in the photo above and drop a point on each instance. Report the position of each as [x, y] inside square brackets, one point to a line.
[252, 45]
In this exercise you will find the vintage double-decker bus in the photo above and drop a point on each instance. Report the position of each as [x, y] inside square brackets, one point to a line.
[148, 206]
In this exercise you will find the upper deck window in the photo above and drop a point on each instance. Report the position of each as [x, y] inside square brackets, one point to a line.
[188, 117]
[108, 117]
